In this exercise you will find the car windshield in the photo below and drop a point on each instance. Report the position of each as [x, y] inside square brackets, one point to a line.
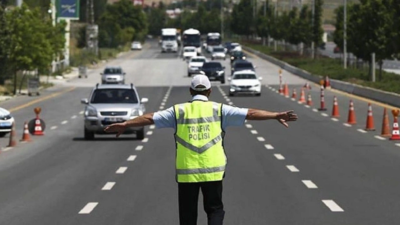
[114, 96]
[212, 65]
[243, 65]
[198, 60]
[189, 50]
[218, 50]
[237, 53]
[244, 76]
[112, 71]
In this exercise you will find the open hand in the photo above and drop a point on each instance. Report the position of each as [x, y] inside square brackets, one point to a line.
[287, 116]
[118, 128]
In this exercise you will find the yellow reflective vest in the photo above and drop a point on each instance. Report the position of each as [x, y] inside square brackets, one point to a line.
[200, 154]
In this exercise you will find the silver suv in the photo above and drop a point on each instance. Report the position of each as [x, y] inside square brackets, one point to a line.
[113, 75]
[109, 104]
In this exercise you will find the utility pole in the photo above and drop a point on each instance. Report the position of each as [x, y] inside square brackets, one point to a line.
[92, 29]
[345, 35]
[313, 29]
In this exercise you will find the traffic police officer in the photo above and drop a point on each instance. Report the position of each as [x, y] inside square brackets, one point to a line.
[199, 132]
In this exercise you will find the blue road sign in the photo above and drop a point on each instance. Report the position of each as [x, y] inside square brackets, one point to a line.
[68, 9]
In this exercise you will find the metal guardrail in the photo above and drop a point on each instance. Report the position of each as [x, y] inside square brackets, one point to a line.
[366, 92]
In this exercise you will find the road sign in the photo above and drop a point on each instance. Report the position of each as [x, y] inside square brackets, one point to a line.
[68, 9]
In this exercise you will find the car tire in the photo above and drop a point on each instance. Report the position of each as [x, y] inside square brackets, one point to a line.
[189, 74]
[88, 135]
[230, 94]
[223, 81]
[258, 94]
[3, 134]
[140, 134]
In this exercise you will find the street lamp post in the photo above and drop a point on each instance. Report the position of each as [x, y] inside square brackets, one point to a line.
[345, 35]
[18, 3]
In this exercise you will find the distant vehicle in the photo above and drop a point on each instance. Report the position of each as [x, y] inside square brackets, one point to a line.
[239, 65]
[213, 39]
[113, 75]
[195, 63]
[245, 81]
[6, 121]
[189, 52]
[214, 71]
[337, 50]
[235, 55]
[192, 37]
[136, 45]
[108, 104]
[169, 40]
[234, 47]
[227, 46]
[218, 52]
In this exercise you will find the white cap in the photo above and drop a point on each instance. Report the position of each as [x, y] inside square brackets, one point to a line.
[200, 80]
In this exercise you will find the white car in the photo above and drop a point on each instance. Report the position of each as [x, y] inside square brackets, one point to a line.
[189, 52]
[6, 122]
[245, 81]
[195, 63]
[136, 46]
[218, 52]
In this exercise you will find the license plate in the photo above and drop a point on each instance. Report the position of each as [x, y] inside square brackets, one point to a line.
[212, 78]
[5, 124]
[113, 119]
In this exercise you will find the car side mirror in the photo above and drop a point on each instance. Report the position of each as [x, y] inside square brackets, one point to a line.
[144, 100]
[260, 78]
[84, 101]
[223, 67]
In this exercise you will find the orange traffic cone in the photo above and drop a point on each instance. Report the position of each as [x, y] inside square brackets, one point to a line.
[370, 119]
[25, 135]
[302, 97]
[335, 109]
[327, 82]
[38, 127]
[385, 124]
[395, 131]
[309, 100]
[12, 142]
[294, 94]
[286, 90]
[351, 119]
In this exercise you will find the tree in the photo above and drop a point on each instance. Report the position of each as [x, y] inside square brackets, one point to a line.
[338, 34]
[242, 19]
[317, 24]
[156, 19]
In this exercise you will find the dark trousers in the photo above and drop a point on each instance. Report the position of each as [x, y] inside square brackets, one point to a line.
[212, 201]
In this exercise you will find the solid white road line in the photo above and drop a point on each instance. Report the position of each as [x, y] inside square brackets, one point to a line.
[131, 158]
[362, 131]
[254, 132]
[152, 126]
[64, 122]
[292, 168]
[279, 156]
[73, 117]
[309, 184]
[260, 139]
[249, 125]
[269, 147]
[149, 132]
[332, 206]
[108, 186]
[88, 208]
[379, 137]
[145, 140]
[334, 119]
[347, 125]
[315, 110]
[324, 114]
[139, 148]
[121, 170]
[53, 127]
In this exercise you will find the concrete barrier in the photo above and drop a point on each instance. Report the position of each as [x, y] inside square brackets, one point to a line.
[366, 92]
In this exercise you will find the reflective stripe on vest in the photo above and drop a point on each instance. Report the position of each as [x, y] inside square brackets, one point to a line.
[199, 136]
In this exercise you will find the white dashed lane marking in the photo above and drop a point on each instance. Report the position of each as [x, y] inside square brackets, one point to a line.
[379, 137]
[332, 205]
[347, 125]
[53, 127]
[161, 107]
[81, 112]
[260, 139]
[162, 103]
[152, 126]
[145, 140]
[292, 168]
[64, 122]
[108, 186]
[307, 106]
[131, 158]
[249, 126]
[324, 114]
[254, 132]
[279, 156]
[309, 184]
[73, 117]
[121, 170]
[149, 132]
[334, 119]
[315, 110]
[269, 147]
[361, 130]
[398, 144]
[88, 208]
[139, 148]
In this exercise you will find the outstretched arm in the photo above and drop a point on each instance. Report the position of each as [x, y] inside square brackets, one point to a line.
[146, 119]
[282, 117]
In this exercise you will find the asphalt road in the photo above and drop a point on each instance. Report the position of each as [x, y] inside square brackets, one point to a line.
[318, 171]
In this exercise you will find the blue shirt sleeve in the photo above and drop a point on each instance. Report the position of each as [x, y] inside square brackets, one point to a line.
[233, 116]
[165, 118]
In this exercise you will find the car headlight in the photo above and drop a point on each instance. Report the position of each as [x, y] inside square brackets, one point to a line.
[137, 112]
[232, 58]
[220, 72]
[244, 57]
[257, 85]
[91, 111]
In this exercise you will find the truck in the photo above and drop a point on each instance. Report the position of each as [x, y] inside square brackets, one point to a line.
[192, 37]
[169, 40]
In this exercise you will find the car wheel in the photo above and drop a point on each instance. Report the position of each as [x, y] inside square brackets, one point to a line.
[223, 81]
[88, 135]
[140, 134]
[230, 94]
[258, 94]
[3, 134]
[189, 74]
